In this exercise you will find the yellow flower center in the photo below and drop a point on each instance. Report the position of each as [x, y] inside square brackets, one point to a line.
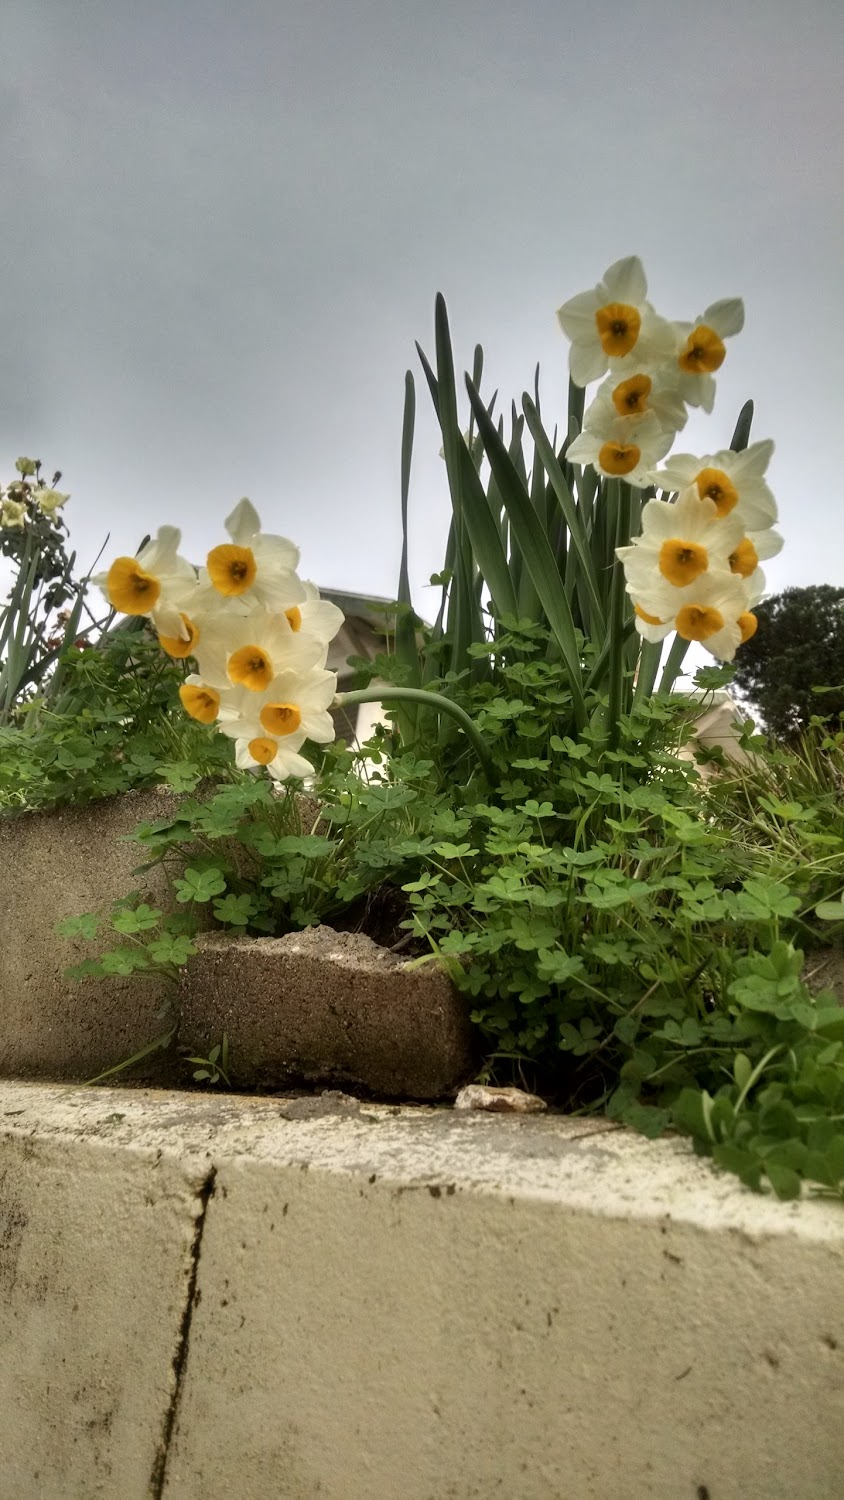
[619, 458]
[294, 616]
[280, 718]
[702, 352]
[648, 619]
[631, 396]
[130, 589]
[232, 570]
[201, 703]
[748, 625]
[744, 559]
[250, 667]
[682, 562]
[697, 622]
[713, 484]
[263, 750]
[174, 645]
[618, 328]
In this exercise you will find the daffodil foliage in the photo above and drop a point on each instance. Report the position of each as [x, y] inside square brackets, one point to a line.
[564, 529]
[257, 632]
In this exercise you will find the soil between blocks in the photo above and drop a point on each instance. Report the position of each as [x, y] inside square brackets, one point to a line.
[327, 1007]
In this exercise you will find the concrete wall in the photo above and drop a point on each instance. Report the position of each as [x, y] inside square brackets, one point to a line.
[58, 864]
[214, 1296]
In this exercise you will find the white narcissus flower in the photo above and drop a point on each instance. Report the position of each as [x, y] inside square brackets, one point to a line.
[623, 448]
[753, 548]
[701, 349]
[280, 759]
[293, 707]
[611, 320]
[12, 515]
[633, 389]
[50, 500]
[679, 542]
[248, 650]
[154, 583]
[269, 730]
[714, 610]
[315, 618]
[252, 568]
[734, 481]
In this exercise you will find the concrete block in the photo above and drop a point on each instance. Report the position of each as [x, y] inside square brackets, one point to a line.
[97, 1260]
[53, 865]
[405, 1303]
[327, 1006]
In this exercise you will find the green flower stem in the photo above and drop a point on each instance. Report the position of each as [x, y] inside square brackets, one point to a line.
[428, 700]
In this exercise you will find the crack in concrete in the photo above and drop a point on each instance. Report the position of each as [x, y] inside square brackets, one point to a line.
[180, 1357]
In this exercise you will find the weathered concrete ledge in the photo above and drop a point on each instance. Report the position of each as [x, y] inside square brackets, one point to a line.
[211, 1296]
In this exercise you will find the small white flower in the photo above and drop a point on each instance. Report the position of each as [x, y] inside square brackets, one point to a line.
[280, 759]
[315, 618]
[294, 706]
[734, 481]
[713, 610]
[611, 320]
[250, 650]
[625, 448]
[251, 569]
[50, 500]
[701, 349]
[679, 542]
[12, 515]
[749, 551]
[631, 390]
[155, 583]
[269, 729]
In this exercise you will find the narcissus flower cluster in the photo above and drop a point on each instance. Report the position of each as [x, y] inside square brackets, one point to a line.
[258, 633]
[654, 370]
[26, 497]
[695, 567]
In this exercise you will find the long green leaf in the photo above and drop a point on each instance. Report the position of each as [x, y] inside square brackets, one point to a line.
[471, 507]
[573, 519]
[406, 648]
[536, 551]
[741, 436]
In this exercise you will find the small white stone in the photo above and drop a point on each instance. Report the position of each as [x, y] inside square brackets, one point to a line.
[503, 1101]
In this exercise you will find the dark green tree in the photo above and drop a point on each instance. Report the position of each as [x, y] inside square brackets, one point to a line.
[798, 646]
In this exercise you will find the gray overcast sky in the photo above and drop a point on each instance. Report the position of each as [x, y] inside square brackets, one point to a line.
[225, 224]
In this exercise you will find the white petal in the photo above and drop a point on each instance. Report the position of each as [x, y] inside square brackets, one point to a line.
[587, 362]
[288, 763]
[323, 618]
[577, 316]
[276, 552]
[625, 281]
[753, 459]
[243, 523]
[584, 449]
[767, 543]
[167, 620]
[725, 317]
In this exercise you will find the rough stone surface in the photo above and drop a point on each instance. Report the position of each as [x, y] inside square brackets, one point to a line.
[825, 971]
[327, 1006]
[54, 865]
[501, 1101]
[378, 1301]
